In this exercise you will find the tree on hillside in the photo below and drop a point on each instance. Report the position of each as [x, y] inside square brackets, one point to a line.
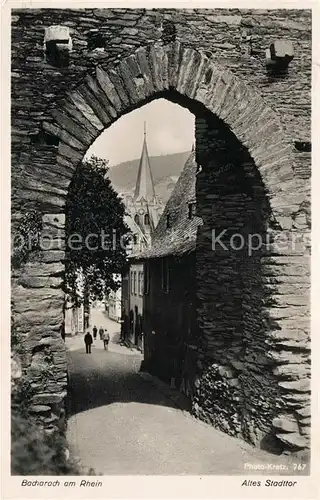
[96, 234]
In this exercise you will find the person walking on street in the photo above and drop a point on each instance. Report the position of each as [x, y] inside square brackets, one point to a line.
[106, 339]
[100, 332]
[88, 341]
[94, 331]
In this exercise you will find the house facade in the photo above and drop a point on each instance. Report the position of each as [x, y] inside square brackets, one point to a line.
[113, 305]
[73, 320]
[133, 305]
[169, 287]
[76, 317]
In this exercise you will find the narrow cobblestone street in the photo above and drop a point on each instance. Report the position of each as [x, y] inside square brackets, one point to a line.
[120, 422]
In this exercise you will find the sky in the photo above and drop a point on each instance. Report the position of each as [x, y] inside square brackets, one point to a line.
[170, 129]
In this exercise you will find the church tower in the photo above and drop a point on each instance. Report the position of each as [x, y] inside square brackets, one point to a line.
[145, 207]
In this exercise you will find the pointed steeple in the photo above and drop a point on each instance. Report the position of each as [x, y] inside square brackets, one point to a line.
[144, 186]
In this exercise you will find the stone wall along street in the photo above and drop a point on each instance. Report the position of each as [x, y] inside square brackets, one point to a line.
[253, 366]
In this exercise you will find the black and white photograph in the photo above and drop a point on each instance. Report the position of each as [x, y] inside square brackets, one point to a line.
[160, 244]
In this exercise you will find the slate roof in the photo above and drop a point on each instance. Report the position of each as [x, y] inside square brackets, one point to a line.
[181, 236]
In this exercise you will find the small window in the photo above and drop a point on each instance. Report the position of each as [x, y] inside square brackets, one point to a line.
[136, 219]
[169, 32]
[135, 239]
[95, 40]
[135, 283]
[43, 137]
[140, 284]
[303, 146]
[132, 283]
[168, 220]
[165, 275]
[146, 278]
[191, 210]
[147, 220]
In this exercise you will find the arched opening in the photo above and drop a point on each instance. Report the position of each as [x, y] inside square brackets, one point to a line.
[226, 289]
[155, 148]
[243, 158]
[146, 220]
[137, 219]
[179, 74]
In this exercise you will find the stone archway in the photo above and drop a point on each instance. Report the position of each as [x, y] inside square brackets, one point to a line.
[190, 78]
[159, 70]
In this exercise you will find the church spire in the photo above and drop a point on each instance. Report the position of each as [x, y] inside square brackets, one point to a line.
[144, 186]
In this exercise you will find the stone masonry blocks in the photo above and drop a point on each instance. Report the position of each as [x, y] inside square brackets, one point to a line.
[97, 90]
[145, 73]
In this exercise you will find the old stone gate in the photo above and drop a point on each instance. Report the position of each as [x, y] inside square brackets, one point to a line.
[74, 73]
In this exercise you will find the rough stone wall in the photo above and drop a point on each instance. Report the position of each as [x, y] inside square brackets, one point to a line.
[253, 365]
[37, 312]
[224, 33]
[121, 59]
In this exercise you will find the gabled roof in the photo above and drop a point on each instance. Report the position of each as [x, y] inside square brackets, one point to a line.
[181, 236]
[144, 186]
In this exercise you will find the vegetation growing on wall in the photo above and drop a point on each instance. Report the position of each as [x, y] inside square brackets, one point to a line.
[32, 451]
[96, 234]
